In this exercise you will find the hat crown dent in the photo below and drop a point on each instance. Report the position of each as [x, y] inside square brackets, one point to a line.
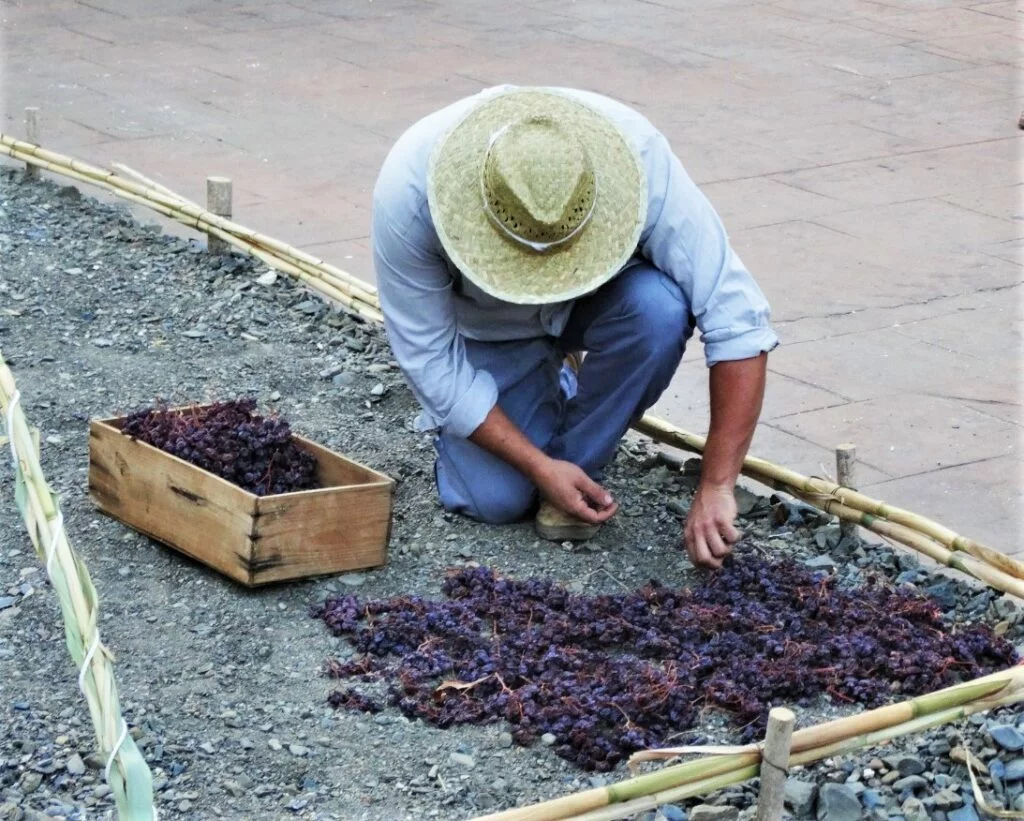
[538, 180]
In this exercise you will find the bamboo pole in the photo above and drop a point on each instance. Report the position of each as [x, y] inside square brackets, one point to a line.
[321, 286]
[126, 171]
[811, 744]
[127, 773]
[629, 809]
[218, 201]
[186, 212]
[917, 725]
[173, 210]
[366, 291]
[816, 491]
[182, 209]
[365, 297]
[965, 563]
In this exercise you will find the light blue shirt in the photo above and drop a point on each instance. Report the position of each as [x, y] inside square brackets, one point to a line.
[430, 308]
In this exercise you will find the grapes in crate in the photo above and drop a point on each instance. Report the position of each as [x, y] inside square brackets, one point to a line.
[230, 440]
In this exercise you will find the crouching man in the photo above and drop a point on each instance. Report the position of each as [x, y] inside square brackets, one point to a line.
[542, 259]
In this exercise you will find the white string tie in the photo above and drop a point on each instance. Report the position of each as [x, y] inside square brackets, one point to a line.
[114, 752]
[88, 660]
[58, 529]
[10, 426]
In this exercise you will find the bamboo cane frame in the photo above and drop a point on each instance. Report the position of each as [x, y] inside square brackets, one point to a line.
[674, 783]
[129, 778]
[704, 786]
[142, 179]
[361, 298]
[914, 530]
[818, 492]
[192, 215]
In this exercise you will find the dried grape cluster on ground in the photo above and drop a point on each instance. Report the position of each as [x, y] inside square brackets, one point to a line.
[230, 440]
[608, 675]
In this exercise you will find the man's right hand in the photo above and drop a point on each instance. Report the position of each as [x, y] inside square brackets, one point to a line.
[568, 488]
[564, 484]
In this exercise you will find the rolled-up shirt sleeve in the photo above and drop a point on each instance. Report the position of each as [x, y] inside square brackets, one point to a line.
[685, 238]
[419, 315]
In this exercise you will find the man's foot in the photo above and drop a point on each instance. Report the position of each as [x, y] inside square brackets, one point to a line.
[558, 526]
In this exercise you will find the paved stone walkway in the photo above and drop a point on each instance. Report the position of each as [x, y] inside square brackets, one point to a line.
[864, 155]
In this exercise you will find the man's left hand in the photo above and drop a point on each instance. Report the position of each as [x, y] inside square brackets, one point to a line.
[710, 533]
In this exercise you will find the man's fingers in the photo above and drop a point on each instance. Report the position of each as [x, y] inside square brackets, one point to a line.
[730, 532]
[581, 510]
[719, 549]
[593, 491]
[700, 554]
[606, 513]
[714, 541]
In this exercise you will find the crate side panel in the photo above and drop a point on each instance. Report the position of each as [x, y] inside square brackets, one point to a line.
[322, 532]
[171, 501]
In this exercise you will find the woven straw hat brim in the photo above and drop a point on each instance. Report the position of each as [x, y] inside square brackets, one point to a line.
[497, 264]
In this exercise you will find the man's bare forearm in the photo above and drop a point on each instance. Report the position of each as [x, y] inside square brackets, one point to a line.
[500, 436]
[737, 391]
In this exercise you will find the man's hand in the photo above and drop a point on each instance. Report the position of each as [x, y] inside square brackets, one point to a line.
[568, 488]
[564, 484]
[737, 388]
[710, 534]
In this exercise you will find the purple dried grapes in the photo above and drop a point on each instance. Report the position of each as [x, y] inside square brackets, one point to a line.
[611, 674]
[231, 440]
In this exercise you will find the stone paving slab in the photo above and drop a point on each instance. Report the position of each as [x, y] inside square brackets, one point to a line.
[991, 504]
[785, 396]
[864, 155]
[886, 364]
[969, 435]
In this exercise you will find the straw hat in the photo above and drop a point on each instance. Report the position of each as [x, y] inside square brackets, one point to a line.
[537, 197]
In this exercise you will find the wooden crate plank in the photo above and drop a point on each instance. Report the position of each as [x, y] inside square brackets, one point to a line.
[172, 501]
[335, 470]
[321, 531]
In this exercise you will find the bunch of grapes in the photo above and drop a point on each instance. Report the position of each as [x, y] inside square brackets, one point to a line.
[610, 674]
[231, 440]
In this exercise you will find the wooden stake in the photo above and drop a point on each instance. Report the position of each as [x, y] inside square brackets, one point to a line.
[775, 764]
[32, 135]
[218, 201]
[846, 461]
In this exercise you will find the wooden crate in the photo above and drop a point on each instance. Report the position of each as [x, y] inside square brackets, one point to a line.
[344, 525]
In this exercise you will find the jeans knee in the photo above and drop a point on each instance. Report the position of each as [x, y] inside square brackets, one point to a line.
[658, 314]
[499, 495]
[501, 505]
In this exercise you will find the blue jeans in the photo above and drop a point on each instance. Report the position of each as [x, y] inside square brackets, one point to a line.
[634, 330]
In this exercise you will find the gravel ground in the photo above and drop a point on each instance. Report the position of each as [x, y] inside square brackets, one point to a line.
[222, 686]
